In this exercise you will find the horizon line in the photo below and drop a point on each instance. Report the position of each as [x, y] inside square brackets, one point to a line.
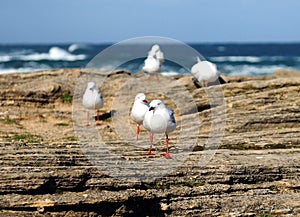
[186, 42]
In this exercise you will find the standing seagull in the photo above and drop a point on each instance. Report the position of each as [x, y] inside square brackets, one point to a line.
[159, 119]
[140, 107]
[205, 72]
[92, 99]
[152, 65]
[157, 53]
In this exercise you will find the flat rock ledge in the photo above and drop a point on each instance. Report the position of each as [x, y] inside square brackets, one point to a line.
[244, 159]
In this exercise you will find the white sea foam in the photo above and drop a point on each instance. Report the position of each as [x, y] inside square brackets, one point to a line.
[254, 70]
[251, 59]
[26, 67]
[170, 73]
[76, 47]
[54, 54]
[19, 70]
[5, 58]
[57, 53]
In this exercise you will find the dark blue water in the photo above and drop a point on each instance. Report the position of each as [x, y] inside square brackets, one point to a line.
[238, 59]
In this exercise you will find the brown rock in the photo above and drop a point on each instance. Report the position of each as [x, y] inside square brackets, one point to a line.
[253, 122]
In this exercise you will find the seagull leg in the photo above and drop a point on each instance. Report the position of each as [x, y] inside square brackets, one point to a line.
[98, 118]
[149, 78]
[137, 132]
[157, 78]
[151, 142]
[167, 154]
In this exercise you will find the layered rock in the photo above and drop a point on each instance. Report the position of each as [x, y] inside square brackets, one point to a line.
[236, 147]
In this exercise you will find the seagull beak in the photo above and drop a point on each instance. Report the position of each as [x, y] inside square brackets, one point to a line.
[145, 101]
[151, 108]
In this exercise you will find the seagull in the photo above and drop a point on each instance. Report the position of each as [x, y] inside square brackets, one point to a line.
[153, 50]
[159, 119]
[160, 56]
[92, 99]
[205, 72]
[157, 53]
[152, 65]
[140, 107]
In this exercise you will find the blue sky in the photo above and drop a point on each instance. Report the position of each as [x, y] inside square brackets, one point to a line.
[99, 21]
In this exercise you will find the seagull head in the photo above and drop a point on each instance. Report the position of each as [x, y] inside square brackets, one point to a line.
[141, 97]
[155, 48]
[91, 85]
[156, 103]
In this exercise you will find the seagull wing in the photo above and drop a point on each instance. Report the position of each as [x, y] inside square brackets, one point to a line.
[171, 114]
[160, 56]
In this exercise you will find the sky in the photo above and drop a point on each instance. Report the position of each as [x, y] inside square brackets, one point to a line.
[110, 21]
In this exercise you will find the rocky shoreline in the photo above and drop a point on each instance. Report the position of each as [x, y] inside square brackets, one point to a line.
[254, 171]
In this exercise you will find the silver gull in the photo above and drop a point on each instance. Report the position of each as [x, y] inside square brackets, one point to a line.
[205, 72]
[139, 108]
[92, 100]
[152, 64]
[159, 119]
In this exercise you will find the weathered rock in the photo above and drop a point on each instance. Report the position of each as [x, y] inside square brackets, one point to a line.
[245, 161]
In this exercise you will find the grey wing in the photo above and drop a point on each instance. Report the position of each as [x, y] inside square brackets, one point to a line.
[171, 114]
[100, 99]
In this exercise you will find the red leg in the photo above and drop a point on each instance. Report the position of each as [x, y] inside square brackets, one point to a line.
[137, 132]
[167, 154]
[98, 118]
[151, 142]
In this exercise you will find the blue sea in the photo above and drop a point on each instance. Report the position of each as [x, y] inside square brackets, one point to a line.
[231, 59]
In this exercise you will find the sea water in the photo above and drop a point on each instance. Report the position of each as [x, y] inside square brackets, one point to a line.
[231, 59]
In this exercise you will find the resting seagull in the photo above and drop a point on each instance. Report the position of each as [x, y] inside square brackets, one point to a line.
[140, 107]
[92, 100]
[157, 53]
[159, 119]
[152, 65]
[205, 72]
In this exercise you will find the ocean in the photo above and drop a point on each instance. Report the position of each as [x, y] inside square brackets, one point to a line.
[231, 58]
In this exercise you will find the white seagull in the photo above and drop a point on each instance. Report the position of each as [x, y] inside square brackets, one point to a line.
[159, 119]
[152, 65]
[157, 53]
[140, 107]
[92, 100]
[205, 72]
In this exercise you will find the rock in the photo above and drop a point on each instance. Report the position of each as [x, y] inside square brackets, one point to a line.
[245, 160]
